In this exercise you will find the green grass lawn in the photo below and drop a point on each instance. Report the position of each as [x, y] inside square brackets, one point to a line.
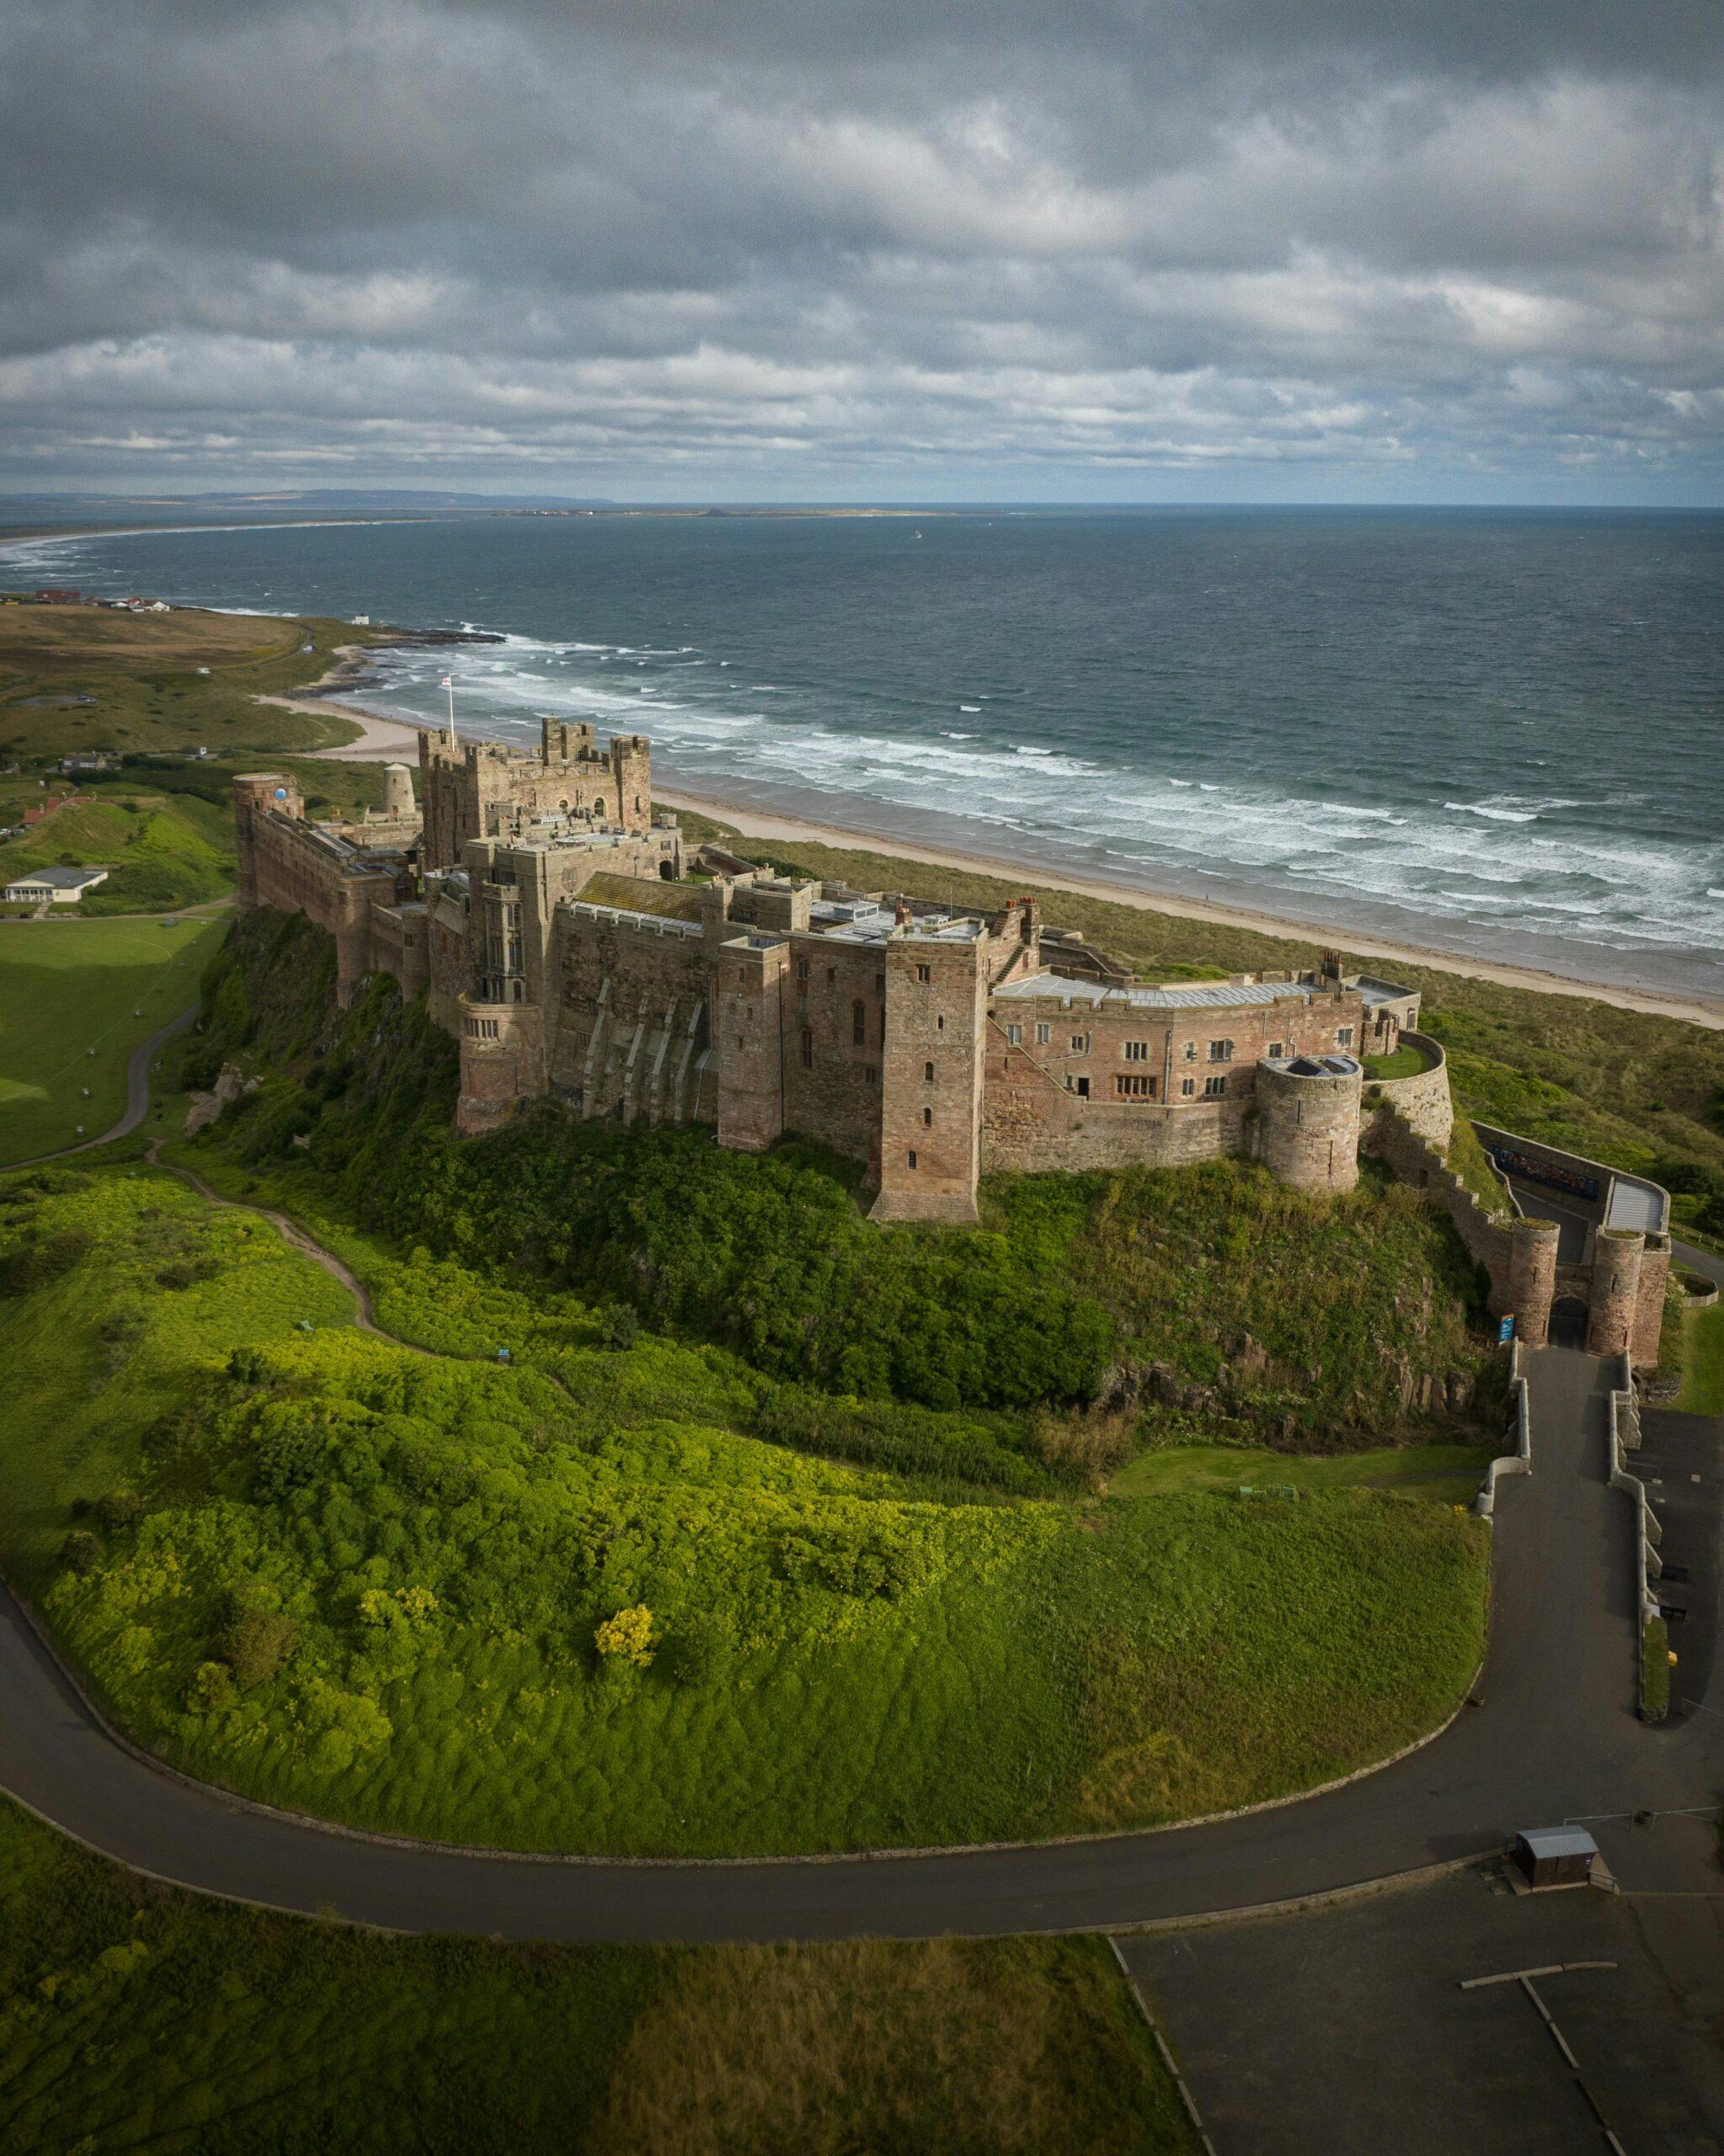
[1702, 1362]
[134, 2016]
[1441, 1474]
[68, 986]
[1406, 1062]
[369, 1584]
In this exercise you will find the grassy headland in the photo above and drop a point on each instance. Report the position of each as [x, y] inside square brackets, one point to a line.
[132, 2014]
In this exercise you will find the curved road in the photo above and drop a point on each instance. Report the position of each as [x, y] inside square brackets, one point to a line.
[137, 1094]
[1554, 1736]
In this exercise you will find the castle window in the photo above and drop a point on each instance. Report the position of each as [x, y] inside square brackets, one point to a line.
[1213, 1088]
[802, 968]
[1188, 1086]
[807, 1049]
[1079, 1044]
[831, 974]
[1191, 1051]
[928, 1074]
[870, 1075]
[1015, 1035]
[1134, 1087]
[1278, 1047]
[740, 1043]
[637, 804]
[912, 1156]
[1042, 1036]
[928, 1117]
[922, 973]
[940, 1023]
[1137, 1051]
[1344, 1038]
[1221, 1051]
[858, 1024]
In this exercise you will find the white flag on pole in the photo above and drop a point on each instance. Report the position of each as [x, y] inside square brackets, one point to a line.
[447, 681]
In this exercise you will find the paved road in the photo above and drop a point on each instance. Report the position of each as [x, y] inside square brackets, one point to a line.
[1554, 1737]
[137, 1094]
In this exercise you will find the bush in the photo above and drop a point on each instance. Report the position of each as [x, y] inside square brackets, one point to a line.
[81, 1551]
[35, 1265]
[629, 1637]
[618, 1327]
[255, 1645]
[119, 1510]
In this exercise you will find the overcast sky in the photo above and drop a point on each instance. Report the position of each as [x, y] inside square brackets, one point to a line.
[1235, 249]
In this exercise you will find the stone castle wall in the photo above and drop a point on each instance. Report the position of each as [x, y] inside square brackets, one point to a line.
[1422, 1102]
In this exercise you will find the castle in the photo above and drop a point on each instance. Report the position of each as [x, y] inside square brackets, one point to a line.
[558, 930]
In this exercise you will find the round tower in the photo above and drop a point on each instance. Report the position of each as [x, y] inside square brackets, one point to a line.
[1308, 1120]
[398, 792]
[1614, 1296]
[1532, 1279]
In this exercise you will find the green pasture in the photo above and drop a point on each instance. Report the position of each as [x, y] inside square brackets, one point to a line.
[68, 986]
[135, 2016]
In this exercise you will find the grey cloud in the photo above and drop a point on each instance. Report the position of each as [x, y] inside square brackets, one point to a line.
[733, 246]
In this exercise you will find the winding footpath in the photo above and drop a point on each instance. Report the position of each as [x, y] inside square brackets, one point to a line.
[1549, 1734]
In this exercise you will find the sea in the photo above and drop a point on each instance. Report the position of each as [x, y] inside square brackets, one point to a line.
[1488, 731]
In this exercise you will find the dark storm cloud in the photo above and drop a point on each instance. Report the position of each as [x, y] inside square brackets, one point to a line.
[679, 247]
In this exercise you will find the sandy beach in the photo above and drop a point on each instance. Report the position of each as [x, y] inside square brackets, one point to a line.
[753, 824]
[397, 739]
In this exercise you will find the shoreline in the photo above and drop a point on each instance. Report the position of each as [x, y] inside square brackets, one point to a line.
[381, 734]
[755, 824]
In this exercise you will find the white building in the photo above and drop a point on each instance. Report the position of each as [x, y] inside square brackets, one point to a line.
[59, 887]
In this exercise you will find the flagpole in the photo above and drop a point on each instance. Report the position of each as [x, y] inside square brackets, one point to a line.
[448, 682]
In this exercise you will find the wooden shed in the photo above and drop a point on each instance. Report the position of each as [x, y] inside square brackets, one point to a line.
[1555, 1856]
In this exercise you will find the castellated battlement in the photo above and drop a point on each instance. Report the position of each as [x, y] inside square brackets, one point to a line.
[561, 936]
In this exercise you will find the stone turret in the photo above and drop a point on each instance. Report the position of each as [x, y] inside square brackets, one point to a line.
[1614, 1301]
[1532, 1279]
[255, 794]
[398, 792]
[1308, 1120]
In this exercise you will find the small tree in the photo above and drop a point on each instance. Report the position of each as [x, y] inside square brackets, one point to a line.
[628, 1635]
[618, 1327]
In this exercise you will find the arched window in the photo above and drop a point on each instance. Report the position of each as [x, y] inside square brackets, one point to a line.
[859, 1023]
[928, 1074]
[928, 1117]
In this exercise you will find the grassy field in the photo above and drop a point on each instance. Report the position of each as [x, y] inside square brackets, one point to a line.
[1439, 1474]
[134, 2016]
[76, 679]
[334, 1573]
[68, 986]
[1702, 1362]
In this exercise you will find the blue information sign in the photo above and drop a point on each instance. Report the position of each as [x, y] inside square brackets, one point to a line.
[1505, 1331]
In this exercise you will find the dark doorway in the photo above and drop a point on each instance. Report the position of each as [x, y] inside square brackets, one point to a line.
[667, 872]
[1568, 1322]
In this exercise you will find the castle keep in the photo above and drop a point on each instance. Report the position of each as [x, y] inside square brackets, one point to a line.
[557, 930]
